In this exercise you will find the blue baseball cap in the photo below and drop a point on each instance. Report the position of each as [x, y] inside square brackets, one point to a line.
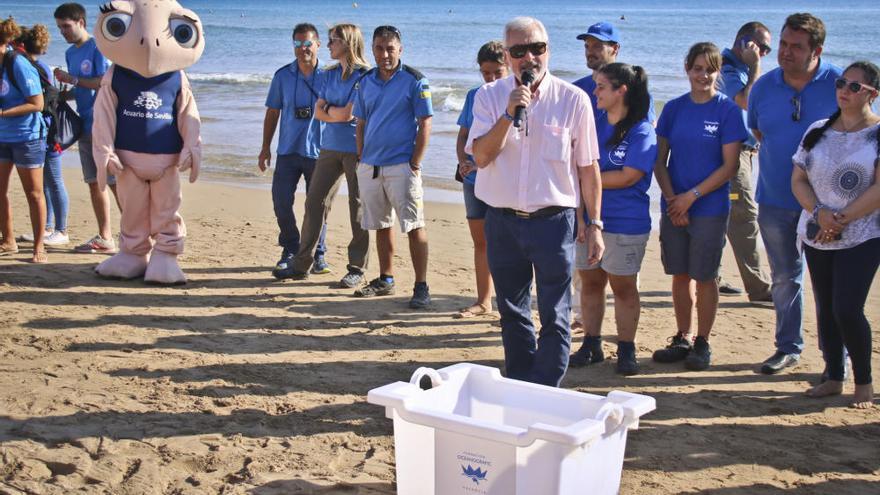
[602, 31]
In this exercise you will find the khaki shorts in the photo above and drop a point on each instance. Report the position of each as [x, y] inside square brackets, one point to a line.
[396, 189]
[623, 254]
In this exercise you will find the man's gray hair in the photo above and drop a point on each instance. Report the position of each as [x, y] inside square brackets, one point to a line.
[524, 24]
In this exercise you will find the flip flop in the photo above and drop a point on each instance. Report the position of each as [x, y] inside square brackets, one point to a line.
[473, 310]
[6, 249]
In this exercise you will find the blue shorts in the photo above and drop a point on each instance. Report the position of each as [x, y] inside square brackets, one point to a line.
[27, 154]
[475, 208]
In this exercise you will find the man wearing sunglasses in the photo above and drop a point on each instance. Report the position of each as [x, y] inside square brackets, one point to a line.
[782, 105]
[532, 177]
[292, 96]
[392, 105]
[741, 66]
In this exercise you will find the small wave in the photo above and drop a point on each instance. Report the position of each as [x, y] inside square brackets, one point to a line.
[230, 78]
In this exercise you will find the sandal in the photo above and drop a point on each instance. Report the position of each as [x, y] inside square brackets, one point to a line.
[473, 310]
[7, 249]
[40, 256]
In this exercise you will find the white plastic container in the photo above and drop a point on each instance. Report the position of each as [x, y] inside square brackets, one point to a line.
[476, 432]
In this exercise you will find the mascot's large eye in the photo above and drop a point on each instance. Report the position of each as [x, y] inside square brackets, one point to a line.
[115, 25]
[184, 32]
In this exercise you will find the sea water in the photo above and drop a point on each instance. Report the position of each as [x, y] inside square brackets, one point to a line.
[247, 41]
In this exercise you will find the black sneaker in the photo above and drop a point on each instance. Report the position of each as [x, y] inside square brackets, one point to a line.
[778, 362]
[352, 279]
[679, 347]
[376, 287]
[725, 289]
[626, 359]
[700, 355]
[421, 298]
[589, 353]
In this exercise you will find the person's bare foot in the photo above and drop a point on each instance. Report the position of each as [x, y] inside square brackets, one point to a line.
[7, 248]
[577, 327]
[40, 256]
[477, 309]
[863, 397]
[830, 387]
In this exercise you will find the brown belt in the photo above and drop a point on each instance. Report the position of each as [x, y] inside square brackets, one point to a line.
[543, 212]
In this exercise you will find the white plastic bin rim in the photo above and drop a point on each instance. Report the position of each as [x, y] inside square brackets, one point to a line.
[619, 410]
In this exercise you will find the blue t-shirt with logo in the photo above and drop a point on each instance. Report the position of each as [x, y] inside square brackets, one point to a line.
[589, 85]
[86, 62]
[24, 127]
[627, 210]
[696, 133]
[339, 92]
[772, 111]
[290, 90]
[734, 77]
[391, 109]
[466, 119]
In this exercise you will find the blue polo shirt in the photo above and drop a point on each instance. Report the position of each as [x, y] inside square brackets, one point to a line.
[466, 119]
[339, 92]
[391, 109]
[627, 210]
[589, 85]
[734, 77]
[696, 133]
[85, 62]
[25, 127]
[290, 90]
[770, 112]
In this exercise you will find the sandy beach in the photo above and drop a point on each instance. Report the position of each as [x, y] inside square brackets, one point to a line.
[239, 384]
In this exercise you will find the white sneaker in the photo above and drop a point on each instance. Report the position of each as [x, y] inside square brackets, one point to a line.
[29, 237]
[56, 238]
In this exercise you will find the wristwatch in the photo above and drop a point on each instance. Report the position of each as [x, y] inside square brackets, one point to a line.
[696, 192]
[415, 166]
[598, 223]
[507, 116]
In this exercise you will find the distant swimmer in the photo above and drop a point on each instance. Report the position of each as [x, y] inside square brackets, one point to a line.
[354, 4]
[622, 17]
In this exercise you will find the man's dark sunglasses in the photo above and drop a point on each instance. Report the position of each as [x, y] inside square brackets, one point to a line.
[519, 51]
[852, 86]
[763, 48]
[385, 31]
[796, 114]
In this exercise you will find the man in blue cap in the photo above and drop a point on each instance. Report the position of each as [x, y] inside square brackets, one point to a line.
[601, 44]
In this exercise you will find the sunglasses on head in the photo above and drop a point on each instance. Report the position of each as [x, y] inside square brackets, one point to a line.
[519, 51]
[385, 31]
[852, 86]
[300, 44]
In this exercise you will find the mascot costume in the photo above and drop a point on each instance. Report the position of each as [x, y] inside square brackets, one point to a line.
[146, 131]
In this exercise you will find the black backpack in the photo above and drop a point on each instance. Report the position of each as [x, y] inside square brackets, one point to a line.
[65, 125]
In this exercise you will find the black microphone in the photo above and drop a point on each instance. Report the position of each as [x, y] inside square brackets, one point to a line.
[526, 78]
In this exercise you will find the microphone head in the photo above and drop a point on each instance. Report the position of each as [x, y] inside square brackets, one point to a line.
[527, 77]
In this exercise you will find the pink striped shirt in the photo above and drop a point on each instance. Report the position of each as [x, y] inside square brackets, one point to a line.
[538, 170]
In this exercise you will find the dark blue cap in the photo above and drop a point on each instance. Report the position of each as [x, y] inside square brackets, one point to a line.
[602, 31]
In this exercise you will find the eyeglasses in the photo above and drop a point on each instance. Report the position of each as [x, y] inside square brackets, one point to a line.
[300, 44]
[385, 31]
[519, 51]
[852, 86]
[796, 114]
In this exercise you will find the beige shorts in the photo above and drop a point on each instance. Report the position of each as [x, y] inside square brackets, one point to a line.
[623, 254]
[396, 189]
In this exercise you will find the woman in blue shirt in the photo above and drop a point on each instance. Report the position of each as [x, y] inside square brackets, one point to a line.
[22, 142]
[627, 152]
[35, 42]
[490, 59]
[700, 135]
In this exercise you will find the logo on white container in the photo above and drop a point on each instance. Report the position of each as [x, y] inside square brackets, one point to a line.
[476, 475]
[148, 100]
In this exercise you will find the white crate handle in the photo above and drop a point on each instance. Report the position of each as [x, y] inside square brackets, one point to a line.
[416, 378]
[613, 416]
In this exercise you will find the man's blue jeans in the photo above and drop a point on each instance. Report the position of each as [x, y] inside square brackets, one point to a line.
[288, 170]
[518, 250]
[779, 231]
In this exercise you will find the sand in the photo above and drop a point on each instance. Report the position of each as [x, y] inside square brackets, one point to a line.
[236, 383]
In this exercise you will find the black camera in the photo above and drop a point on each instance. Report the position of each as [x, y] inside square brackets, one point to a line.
[303, 112]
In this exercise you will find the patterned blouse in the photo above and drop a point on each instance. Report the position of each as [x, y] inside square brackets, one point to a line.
[840, 168]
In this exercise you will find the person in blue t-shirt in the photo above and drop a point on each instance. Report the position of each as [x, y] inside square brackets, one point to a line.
[292, 95]
[338, 157]
[22, 141]
[35, 42]
[700, 134]
[783, 104]
[627, 152]
[490, 59]
[393, 108]
[601, 46]
[85, 68]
